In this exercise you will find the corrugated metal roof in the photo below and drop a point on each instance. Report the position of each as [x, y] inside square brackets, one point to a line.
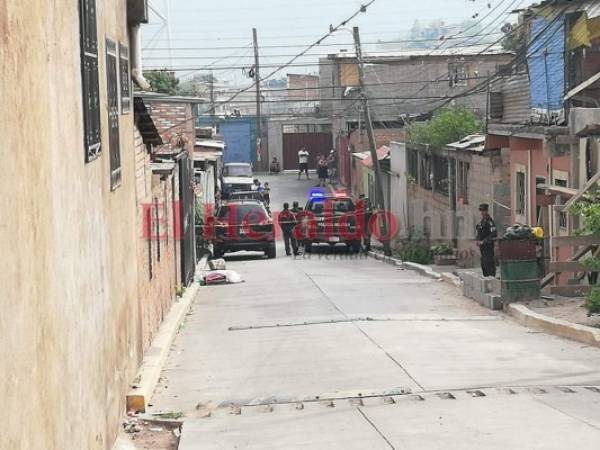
[472, 143]
[515, 101]
[383, 153]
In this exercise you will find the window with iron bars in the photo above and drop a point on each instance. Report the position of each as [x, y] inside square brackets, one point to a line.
[520, 193]
[413, 164]
[113, 114]
[90, 80]
[440, 174]
[457, 74]
[125, 79]
[462, 185]
[425, 171]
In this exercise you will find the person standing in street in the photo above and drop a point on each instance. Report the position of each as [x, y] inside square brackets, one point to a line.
[486, 235]
[266, 193]
[287, 222]
[323, 172]
[303, 156]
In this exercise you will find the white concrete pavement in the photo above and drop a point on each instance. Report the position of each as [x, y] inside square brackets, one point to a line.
[338, 352]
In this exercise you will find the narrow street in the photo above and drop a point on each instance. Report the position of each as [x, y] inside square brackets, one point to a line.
[335, 351]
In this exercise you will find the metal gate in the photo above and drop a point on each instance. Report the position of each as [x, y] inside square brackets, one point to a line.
[186, 209]
[317, 139]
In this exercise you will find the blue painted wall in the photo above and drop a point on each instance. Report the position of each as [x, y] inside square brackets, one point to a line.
[239, 134]
[547, 92]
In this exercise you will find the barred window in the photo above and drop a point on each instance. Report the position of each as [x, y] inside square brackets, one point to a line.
[413, 164]
[457, 74]
[462, 178]
[440, 174]
[520, 193]
[90, 80]
[425, 175]
[113, 114]
[125, 79]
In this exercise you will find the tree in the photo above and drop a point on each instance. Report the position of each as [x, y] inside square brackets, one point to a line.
[589, 211]
[448, 125]
[162, 81]
[197, 86]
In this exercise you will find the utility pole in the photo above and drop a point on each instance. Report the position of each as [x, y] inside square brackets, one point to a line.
[258, 109]
[379, 197]
[211, 87]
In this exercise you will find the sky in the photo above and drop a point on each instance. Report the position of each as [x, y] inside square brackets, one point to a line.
[218, 35]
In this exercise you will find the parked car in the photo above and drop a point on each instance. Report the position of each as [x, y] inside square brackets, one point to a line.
[243, 225]
[246, 195]
[236, 177]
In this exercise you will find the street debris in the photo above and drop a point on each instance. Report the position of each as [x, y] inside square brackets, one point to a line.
[217, 277]
[217, 264]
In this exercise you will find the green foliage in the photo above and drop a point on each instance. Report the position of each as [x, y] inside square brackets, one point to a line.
[448, 125]
[197, 86]
[592, 302]
[416, 248]
[516, 40]
[163, 81]
[589, 211]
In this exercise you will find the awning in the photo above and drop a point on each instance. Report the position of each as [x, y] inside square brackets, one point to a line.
[145, 124]
[207, 155]
[162, 168]
[210, 143]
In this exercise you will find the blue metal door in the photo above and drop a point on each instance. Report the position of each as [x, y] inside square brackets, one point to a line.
[239, 139]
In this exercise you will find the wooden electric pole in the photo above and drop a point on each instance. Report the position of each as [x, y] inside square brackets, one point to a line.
[379, 196]
[258, 109]
[212, 98]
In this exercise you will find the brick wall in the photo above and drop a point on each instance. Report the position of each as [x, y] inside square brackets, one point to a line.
[157, 278]
[173, 120]
[383, 136]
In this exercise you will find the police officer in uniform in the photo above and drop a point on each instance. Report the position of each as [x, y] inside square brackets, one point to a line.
[287, 222]
[486, 233]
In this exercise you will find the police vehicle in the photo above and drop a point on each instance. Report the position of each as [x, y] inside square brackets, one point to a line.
[332, 218]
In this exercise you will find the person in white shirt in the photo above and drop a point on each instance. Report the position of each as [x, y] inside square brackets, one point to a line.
[303, 156]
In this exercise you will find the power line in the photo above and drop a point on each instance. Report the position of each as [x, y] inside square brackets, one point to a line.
[380, 42]
[332, 30]
[307, 64]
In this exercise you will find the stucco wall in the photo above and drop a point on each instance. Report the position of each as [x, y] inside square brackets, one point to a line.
[69, 327]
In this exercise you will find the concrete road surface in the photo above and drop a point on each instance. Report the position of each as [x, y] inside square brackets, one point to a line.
[331, 351]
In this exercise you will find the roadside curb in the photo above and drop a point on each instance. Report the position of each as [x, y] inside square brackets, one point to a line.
[420, 268]
[557, 327]
[156, 356]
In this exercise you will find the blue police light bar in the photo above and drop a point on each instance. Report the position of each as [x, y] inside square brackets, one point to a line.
[316, 194]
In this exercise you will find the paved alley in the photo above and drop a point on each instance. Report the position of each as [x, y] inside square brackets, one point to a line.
[334, 351]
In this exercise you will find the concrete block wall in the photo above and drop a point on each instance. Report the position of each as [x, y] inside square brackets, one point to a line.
[485, 291]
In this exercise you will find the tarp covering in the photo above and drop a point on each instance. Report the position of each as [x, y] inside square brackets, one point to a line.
[546, 64]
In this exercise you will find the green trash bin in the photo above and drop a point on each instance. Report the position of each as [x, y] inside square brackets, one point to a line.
[520, 280]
